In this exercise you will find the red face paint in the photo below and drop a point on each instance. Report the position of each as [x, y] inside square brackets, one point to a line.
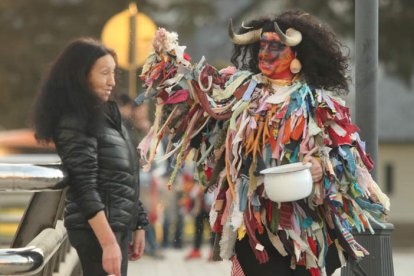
[274, 57]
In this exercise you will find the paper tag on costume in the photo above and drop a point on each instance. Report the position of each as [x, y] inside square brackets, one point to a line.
[259, 247]
[359, 253]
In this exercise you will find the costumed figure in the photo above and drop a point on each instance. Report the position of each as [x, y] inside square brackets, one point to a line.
[280, 104]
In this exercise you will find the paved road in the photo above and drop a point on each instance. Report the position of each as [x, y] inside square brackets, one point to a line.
[174, 265]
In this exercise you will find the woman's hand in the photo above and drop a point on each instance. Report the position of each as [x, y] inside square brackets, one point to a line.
[111, 259]
[316, 169]
[138, 245]
[111, 253]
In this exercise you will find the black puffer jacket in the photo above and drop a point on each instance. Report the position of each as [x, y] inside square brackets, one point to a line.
[103, 172]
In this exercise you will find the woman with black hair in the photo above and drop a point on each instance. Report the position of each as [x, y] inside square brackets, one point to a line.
[73, 110]
[279, 105]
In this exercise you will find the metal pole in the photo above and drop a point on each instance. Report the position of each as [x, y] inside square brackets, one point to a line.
[132, 82]
[366, 75]
[379, 261]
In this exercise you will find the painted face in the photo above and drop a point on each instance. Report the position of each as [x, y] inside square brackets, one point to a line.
[274, 56]
[102, 77]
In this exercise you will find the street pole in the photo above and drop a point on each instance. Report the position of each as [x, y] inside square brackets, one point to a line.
[379, 261]
[366, 75]
[132, 72]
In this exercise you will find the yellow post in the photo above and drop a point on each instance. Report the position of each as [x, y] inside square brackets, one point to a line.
[130, 34]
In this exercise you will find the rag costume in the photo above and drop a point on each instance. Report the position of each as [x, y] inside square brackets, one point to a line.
[240, 123]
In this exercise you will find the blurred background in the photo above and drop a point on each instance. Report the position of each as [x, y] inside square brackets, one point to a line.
[33, 32]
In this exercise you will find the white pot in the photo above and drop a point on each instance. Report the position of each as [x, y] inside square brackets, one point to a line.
[288, 182]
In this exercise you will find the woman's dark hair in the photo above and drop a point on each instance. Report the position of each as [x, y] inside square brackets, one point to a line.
[65, 88]
[323, 63]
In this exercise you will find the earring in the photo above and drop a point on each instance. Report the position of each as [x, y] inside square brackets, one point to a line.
[295, 66]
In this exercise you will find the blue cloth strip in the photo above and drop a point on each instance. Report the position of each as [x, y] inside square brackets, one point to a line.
[249, 91]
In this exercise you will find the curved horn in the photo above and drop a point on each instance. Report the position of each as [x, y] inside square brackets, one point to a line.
[243, 39]
[246, 27]
[291, 38]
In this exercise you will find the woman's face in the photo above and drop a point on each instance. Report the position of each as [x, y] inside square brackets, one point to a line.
[102, 77]
[274, 56]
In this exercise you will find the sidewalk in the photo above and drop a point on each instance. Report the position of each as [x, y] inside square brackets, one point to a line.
[175, 265]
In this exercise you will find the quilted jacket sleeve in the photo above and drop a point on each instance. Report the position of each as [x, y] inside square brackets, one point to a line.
[142, 216]
[78, 152]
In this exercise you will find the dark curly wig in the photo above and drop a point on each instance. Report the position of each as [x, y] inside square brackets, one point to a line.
[323, 63]
[65, 88]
